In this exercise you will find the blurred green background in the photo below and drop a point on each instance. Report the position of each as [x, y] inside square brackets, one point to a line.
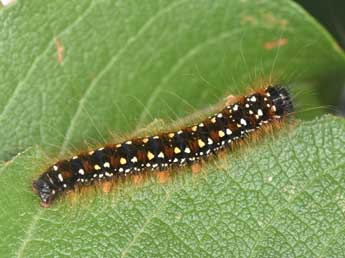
[331, 14]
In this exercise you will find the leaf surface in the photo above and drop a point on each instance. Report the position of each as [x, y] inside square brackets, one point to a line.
[116, 65]
[79, 69]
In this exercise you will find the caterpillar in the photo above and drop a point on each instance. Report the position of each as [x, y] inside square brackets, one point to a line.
[167, 149]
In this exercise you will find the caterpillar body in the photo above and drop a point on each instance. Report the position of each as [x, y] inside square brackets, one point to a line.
[167, 149]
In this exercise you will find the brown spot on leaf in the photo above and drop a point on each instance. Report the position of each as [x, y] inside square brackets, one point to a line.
[275, 43]
[270, 19]
[59, 50]
[249, 19]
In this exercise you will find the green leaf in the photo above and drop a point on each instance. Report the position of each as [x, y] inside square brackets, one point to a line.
[125, 63]
[281, 197]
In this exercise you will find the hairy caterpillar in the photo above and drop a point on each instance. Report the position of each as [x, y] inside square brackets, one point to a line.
[168, 149]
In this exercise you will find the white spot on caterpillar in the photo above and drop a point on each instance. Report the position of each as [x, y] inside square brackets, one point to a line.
[106, 165]
[228, 131]
[55, 168]
[100, 149]
[253, 99]
[235, 108]
[60, 177]
[209, 141]
[221, 134]
[243, 122]
[187, 150]
[273, 108]
[201, 143]
[177, 150]
[97, 167]
[161, 155]
[81, 171]
[260, 113]
[134, 159]
[74, 157]
[220, 115]
[150, 155]
[128, 142]
[123, 161]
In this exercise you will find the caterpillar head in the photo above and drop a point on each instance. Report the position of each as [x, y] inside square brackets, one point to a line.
[45, 190]
[281, 98]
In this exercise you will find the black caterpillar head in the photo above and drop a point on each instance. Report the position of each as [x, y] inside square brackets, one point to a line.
[281, 98]
[45, 190]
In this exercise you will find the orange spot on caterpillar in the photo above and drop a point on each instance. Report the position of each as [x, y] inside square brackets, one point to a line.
[163, 176]
[107, 186]
[230, 99]
[196, 168]
[138, 179]
[269, 45]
